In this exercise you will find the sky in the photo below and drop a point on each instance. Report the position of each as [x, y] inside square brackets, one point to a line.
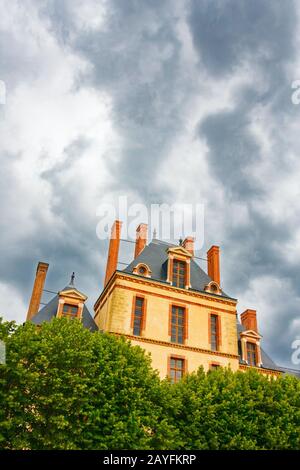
[161, 101]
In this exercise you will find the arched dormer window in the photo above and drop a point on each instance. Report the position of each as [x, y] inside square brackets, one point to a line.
[142, 269]
[213, 288]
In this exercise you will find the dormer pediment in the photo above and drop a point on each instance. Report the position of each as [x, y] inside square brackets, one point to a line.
[179, 251]
[73, 293]
[250, 334]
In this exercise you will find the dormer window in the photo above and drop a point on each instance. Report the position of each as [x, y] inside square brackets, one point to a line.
[178, 268]
[179, 273]
[142, 270]
[70, 311]
[70, 303]
[213, 288]
[251, 349]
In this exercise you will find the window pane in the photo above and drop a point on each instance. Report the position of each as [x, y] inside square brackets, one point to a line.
[177, 324]
[138, 316]
[251, 354]
[70, 310]
[214, 332]
[176, 369]
[179, 273]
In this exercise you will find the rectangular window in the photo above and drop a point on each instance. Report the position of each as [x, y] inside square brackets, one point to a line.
[70, 311]
[177, 369]
[138, 316]
[251, 354]
[214, 366]
[214, 332]
[179, 273]
[178, 324]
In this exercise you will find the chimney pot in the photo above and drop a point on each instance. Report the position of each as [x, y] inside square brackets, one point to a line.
[213, 263]
[113, 250]
[141, 239]
[249, 319]
[37, 290]
[188, 244]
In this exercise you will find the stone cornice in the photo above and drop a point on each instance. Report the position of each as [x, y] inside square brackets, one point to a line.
[159, 284]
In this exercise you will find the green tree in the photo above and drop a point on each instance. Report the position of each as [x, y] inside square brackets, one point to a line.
[226, 410]
[64, 387]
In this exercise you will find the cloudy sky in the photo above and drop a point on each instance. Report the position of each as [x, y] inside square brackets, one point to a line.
[163, 101]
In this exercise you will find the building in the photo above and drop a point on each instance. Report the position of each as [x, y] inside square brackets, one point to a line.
[167, 304]
[69, 302]
[164, 302]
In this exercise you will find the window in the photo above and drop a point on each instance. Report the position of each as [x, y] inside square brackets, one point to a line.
[177, 369]
[138, 316]
[178, 327]
[142, 270]
[251, 354]
[214, 366]
[214, 332]
[70, 311]
[179, 273]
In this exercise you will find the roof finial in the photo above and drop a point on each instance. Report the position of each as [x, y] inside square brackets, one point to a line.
[72, 279]
[154, 233]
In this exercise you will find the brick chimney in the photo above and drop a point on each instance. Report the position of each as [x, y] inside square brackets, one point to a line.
[249, 320]
[37, 291]
[188, 244]
[213, 263]
[141, 239]
[113, 250]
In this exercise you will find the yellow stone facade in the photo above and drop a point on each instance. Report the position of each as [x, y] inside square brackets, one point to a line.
[113, 314]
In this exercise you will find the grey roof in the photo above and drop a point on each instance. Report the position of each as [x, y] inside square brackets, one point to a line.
[155, 256]
[49, 311]
[294, 372]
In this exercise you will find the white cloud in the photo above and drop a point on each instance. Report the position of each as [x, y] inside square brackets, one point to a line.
[12, 305]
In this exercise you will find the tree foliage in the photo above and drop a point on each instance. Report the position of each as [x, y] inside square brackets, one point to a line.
[65, 388]
[227, 410]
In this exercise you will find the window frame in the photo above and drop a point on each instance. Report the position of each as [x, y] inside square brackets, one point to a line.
[143, 314]
[183, 370]
[184, 322]
[254, 351]
[68, 314]
[218, 331]
[178, 262]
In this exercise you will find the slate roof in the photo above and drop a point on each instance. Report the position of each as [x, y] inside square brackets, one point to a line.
[155, 256]
[49, 311]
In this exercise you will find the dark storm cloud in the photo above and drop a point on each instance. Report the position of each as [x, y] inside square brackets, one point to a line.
[227, 32]
[261, 36]
[232, 151]
[136, 58]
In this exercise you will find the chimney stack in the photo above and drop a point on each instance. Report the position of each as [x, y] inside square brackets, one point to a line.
[113, 250]
[213, 263]
[249, 320]
[37, 290]
[188, 244]
[141, 239]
